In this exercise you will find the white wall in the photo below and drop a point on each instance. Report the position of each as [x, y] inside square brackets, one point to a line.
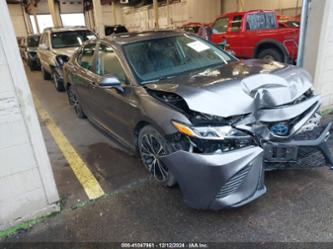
[318, 57]
[17, 17]
[108, 17]
[27, 187]
[203, 11]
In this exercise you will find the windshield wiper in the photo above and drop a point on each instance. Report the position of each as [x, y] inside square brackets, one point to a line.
[158, 79]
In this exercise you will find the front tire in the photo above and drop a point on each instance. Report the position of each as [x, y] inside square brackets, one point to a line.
[151, 146]
[46, 75]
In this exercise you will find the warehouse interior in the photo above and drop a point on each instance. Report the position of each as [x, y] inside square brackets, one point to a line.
[69, 179]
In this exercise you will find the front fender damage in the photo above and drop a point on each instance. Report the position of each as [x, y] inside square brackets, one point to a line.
[281, 114]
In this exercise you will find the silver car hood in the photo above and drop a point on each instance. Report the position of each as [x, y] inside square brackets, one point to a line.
[240, 88]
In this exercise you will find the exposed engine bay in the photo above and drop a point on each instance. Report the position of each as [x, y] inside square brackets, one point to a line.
[271, 120]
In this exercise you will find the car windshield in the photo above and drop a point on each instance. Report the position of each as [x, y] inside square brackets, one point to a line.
[33, 41]
[70, 38]
[156, 59]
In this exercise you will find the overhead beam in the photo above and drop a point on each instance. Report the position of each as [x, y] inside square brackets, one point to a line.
[155, 5]
[27, 21]
[33, 10]
[114, 14]
[54, 11]
[98, 18]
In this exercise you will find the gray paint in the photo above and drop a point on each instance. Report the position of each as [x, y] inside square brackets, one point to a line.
[262, 91]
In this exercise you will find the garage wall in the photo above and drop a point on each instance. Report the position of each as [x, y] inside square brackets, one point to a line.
[17, 17]
[27, 187]
[285, 7]
[203, 11]
[68, 7]
[320, 61]
[179, 13]
[108, 17]
[143, 18]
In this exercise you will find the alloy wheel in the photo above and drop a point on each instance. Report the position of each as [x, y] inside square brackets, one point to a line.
[151, 149]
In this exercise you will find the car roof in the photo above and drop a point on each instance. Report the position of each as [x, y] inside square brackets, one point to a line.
[243, 12]
[131, 37]
[68, 28]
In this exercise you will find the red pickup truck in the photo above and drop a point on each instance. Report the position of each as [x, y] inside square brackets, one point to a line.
[256, 34]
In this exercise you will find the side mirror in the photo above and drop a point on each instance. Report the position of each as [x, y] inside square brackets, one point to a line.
[43, 46]
[110, 81]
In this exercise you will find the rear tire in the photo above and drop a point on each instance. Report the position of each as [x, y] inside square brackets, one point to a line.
[77, 107]
[46, 75]
[152, 145]
[271, 54]
[70, 95]
[59, 85]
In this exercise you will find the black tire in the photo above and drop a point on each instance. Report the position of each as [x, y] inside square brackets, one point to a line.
[70, 94]
[271, 54]
[77, 107]
[58, 83]
[46, 75]
[151, 145]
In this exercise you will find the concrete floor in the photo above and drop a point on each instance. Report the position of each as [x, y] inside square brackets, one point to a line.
[297, 207]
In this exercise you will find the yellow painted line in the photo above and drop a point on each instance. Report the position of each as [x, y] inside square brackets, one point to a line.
[80, 169]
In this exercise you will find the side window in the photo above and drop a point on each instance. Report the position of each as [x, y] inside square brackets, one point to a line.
[236, 24]
[259, 21]
[221, 25]
[108, 63]
[86, 57]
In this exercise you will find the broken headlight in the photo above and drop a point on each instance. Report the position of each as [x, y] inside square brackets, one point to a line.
[210, 132]
[210, 139]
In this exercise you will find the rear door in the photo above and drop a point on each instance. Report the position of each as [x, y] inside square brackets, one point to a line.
[259, 26]
[84, 77]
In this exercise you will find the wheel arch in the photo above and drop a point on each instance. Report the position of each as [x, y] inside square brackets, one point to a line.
[273, 44]
[138, 127]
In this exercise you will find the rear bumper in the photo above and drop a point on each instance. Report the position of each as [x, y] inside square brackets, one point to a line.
[218, 181]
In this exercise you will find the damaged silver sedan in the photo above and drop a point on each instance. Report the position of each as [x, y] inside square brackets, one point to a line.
[196, 115]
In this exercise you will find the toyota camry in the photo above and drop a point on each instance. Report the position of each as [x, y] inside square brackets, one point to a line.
[196, 115]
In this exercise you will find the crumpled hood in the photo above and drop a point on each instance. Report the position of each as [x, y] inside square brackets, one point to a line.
[238, 88]
[65, 51]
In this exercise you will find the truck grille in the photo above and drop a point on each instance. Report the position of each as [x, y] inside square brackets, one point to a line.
[233, 183]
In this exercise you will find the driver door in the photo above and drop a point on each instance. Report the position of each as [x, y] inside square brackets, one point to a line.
[114, 109]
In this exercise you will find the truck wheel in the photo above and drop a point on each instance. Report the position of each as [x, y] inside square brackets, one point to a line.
[271, 54]
[46, 75]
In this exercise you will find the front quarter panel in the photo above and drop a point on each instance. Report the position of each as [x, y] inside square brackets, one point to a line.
[158, 114]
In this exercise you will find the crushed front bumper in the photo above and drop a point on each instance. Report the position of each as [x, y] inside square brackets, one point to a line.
[235, 178]
[218, 181]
